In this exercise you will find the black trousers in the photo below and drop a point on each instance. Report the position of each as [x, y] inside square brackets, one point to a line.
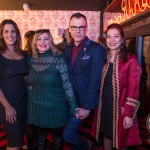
[41, 133]
[30, 135]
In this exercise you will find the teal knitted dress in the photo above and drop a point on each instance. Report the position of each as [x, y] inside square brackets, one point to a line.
[51, 89]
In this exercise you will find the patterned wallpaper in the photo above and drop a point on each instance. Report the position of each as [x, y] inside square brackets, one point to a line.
[33, 20]
[108, 16]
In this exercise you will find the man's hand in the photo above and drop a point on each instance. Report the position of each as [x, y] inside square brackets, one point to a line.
[82, 113]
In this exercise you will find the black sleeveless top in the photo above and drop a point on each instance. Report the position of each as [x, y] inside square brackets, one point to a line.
[12, 84]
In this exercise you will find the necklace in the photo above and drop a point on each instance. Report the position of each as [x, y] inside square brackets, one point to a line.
[109, 57]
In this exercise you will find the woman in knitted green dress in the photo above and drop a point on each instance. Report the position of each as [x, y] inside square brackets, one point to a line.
[50, 87]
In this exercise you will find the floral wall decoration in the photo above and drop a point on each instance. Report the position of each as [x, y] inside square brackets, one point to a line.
[44, 19]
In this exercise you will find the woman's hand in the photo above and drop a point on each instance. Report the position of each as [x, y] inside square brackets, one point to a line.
[127, 122]
[30, 87]
[10, 114]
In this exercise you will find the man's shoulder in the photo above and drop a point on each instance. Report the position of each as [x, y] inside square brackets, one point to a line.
[93, 44]
[67, 49]
[68, 46]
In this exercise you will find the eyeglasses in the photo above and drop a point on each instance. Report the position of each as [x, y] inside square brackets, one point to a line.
[81, 28]
[42, 30]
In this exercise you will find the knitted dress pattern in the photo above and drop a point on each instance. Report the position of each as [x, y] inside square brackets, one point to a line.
[51, 89]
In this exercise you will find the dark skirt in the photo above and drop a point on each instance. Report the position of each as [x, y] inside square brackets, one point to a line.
[106, 125]
[14, 132]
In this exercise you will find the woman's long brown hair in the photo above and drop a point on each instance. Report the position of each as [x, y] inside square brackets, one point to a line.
[17, 44]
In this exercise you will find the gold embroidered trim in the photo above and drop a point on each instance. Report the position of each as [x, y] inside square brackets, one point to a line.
[136, 110]
[100, 100]
[134, 103]
[116, 96]
[132, 100]
[122, 110]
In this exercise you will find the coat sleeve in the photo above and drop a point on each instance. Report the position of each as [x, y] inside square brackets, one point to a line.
[95, 76]
[132, 103]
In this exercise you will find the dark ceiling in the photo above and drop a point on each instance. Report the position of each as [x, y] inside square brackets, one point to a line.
[89, 5]
[114, 6]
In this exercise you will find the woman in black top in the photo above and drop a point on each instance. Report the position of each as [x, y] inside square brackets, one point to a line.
[13, 95]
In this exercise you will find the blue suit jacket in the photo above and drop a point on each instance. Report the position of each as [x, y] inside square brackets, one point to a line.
[86, 72]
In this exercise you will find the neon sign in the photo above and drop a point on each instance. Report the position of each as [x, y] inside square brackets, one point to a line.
[130, 8]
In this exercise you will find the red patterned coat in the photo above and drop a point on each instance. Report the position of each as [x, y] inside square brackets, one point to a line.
[126, 81]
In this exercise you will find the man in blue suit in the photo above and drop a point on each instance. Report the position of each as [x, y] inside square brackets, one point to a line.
[85, 59]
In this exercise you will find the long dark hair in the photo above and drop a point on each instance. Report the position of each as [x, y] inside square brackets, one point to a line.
[29, 35]
[17, 44]
[131, 46]
[67, 39]
[123, 48]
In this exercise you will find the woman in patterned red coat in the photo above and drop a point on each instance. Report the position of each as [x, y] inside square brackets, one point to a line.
[119, 93]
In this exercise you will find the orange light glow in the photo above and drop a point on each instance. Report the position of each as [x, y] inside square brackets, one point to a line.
[130, 8]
